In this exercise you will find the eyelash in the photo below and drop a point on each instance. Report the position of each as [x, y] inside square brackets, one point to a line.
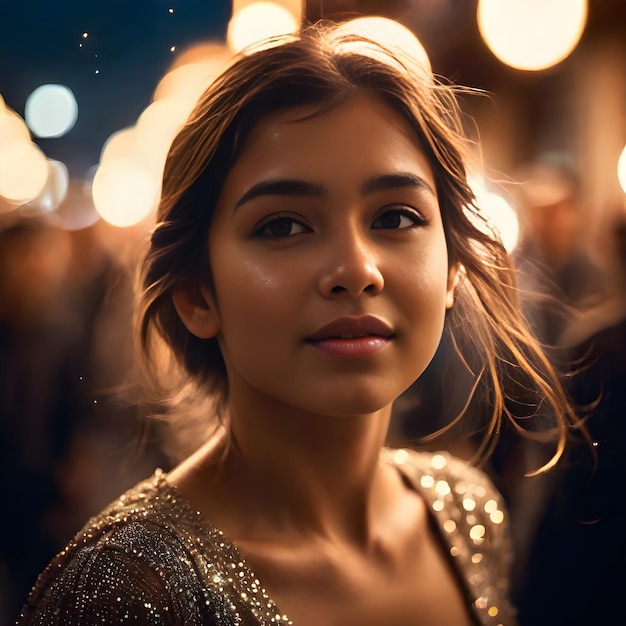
[261, 231]
[416, 218]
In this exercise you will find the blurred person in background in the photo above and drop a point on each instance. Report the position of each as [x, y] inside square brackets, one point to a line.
[558, 279]
[64, 337]
[41, 360]
[557, 274]
[578, 539]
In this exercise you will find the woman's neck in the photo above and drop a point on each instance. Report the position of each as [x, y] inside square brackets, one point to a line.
[297, 474]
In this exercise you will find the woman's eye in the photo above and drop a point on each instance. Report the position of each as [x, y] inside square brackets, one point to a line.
[399, 218]
[281, 227]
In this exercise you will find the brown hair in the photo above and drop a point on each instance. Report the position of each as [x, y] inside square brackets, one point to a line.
[324, 66]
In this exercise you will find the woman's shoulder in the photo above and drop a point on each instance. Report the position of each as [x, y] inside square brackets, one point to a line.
[148, 522]
[471, 519]
[446, 478]
[461, 496]
[147, 557]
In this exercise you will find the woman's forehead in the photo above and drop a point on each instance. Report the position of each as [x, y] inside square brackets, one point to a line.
[339, 149]
[324, 123]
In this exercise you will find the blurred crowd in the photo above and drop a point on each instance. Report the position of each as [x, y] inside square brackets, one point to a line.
[567, 523]
[72, 436]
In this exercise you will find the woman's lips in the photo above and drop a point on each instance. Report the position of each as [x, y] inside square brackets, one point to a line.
[352, 337]
[351, 348]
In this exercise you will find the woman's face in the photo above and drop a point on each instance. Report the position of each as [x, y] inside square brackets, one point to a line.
[329, 262]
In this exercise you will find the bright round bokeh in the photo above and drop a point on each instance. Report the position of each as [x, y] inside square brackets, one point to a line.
[121, 143]
[258, 22]
[390, 34]
[12, 127]
[195, 69]
[54, 191]
[621, 169]
[155, 130]
[51, 111]
[501, 218]
[124, 192]
[531, 34]
[188, 82]
[23, 171]
[77, 211]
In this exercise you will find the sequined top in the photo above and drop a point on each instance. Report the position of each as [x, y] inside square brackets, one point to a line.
[150, 558]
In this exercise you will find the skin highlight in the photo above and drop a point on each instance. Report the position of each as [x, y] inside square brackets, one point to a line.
[307, 425]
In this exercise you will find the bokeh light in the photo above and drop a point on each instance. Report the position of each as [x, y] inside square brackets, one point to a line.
[257, 22]
[392, 35]
[621, 169]
[12, 128]
[77, 211]
[194, 70]
[187, 82]
[155, 130]
[143, 147]
[54, 191]
[121, 143]
[51, 111]
[124, 192]
[498, 212]
[531, 34]
[23, 171]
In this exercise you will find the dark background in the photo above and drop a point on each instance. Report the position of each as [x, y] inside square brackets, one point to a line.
[66, 442]
[129, 43]
[39, 43]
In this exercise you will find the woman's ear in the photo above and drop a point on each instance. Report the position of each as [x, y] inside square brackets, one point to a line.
[454, 274]
[196, 308]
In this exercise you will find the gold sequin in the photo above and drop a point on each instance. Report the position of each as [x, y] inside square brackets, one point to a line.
[152, 559]
[474, 527]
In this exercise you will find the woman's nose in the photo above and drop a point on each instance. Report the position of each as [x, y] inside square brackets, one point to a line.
[352, 267]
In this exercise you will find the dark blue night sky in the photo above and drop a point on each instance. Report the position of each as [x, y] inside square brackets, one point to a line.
[113, 74]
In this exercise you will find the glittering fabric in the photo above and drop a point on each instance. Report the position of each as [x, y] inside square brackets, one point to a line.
[470, 515]
[150, 558]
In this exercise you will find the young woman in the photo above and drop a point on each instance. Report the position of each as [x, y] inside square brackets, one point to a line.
[316, 236]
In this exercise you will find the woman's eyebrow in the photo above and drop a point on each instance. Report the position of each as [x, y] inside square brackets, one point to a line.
[395, 181]
[286, 187]
[301, 188]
